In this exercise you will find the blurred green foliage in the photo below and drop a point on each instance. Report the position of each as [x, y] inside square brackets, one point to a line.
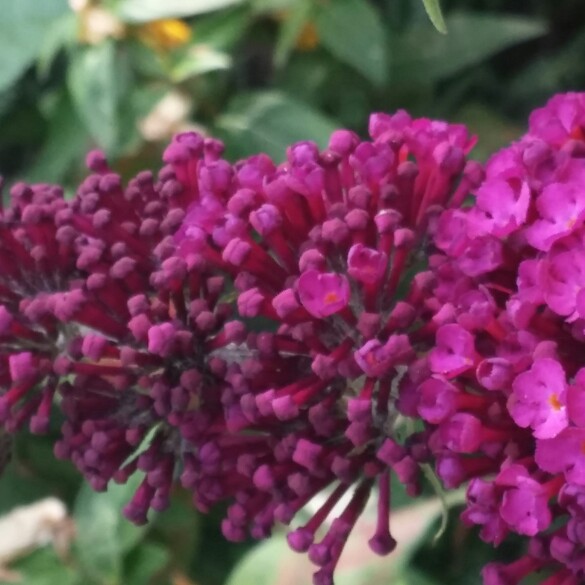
[123, 75]
[263, 73]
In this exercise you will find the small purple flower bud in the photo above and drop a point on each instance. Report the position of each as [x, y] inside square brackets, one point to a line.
[366, 265]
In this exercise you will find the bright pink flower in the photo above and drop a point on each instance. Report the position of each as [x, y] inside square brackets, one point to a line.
[323, 294]
[562, 209]
[365, 264]
[576, 400]
[564, 453]
[439, 399]
[539, 399]
[563, 280]
[562, 119]
[524, 504]
[376, 359]
[454, 352]
[501, 207]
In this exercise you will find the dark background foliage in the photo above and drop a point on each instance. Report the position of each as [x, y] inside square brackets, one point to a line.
[260, 74]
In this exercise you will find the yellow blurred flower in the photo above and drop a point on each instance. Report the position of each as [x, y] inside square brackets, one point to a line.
[164, 35]
[97, 23]
[308, 39]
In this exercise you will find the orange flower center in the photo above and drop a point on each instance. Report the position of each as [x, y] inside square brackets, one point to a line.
[331, 297]
[554, 401]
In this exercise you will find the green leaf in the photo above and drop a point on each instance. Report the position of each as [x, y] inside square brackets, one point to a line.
[44, 567]
[61, 33]
[261, 565]
[352, 31]
[270, 121]
[472, 38]
[290, 29]
[95, 80]
[23, 25]
[263, 6]
[66, 141]
[144, 444]
[435, 484]
[493, 130]
[547, 73]
[414, 577]
[180, 527]
[143, 563]
[433, 8]
[17, 489]
[198, 60]
[222, 30]
[147, 10]
[35, 453]
[104, 536]
[138, 103]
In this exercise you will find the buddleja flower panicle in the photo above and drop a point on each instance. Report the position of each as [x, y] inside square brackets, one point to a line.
[148, 324]
[36, 264]
[504, 387]
[259, 331]
[323, 246]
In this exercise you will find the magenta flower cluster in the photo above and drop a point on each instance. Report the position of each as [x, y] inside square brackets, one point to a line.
[263, 332]
[504, 386]
[320, 251]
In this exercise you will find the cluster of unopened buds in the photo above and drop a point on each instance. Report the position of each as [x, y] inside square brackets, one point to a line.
[261, 333]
